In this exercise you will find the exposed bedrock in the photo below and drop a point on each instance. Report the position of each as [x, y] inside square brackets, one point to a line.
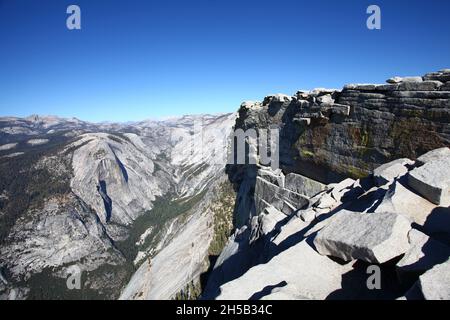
[362, 182]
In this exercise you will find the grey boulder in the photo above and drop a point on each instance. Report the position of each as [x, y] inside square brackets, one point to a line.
[373, 237]
[433, 284]
[389, 171]
[437, 154]
[432, 181]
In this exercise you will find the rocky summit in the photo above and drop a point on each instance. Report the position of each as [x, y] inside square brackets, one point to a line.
[362, 190]
[358, 208]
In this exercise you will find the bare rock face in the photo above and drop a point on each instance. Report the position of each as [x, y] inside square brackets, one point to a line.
[65, 233]
[180, 262]
[289, 292]
[375, 238]
[266, 222]
[423, 254]
[276, 177]
[432, 181]
[433, 284]
[303, 185]
[433, 155]
[338, 138]
[114, 177]
[309, 275]
[400, 198]
[352, 219]
[390, 171]
[331, 135]
[282, 199]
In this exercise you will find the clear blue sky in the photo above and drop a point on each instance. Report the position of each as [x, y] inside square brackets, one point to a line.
[135, 60]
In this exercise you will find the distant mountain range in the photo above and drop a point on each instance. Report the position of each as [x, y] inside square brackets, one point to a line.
[105, 197]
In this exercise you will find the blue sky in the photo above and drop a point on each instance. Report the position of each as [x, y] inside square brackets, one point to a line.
[135, 60]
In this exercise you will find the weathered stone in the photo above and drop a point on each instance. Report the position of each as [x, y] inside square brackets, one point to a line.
[269, 193]
[374, 237]
[325, 99]
[362, 96]
[307, 215]
[303, 185]
[288, 292]
[400, 199]
[264, 223]
[432, 180]
[388, 172]
[405, 79]
[421, 95]
[281, 98]
[326, 202]
[439, 76]
[428, 85]
[436, 154]
[340, 109]
[387, 87]
[276, 177]
[445, 86]
[361, 87]
[417, 103]
[338, 190]
[250, 105]
[289, 230]
[314, 276]
[322, 91]
[434, 284]
[423, 254]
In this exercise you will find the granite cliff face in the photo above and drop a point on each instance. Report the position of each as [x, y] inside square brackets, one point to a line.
[362, 184]
[329, 134]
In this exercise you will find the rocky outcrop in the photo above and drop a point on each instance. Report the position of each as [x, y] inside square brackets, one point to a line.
[361, 146]
[328, 135]
[432, 181]
[390, 171]
[375, 237]
[314, 278]
[324, 251]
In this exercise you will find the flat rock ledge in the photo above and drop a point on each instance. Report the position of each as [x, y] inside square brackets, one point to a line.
[432, 181]
[372, 237]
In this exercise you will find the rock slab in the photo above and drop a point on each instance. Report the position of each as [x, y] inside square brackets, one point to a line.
[373, 237]
[432, 181]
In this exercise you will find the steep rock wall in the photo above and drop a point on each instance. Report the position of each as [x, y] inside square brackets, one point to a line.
[328, 134]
